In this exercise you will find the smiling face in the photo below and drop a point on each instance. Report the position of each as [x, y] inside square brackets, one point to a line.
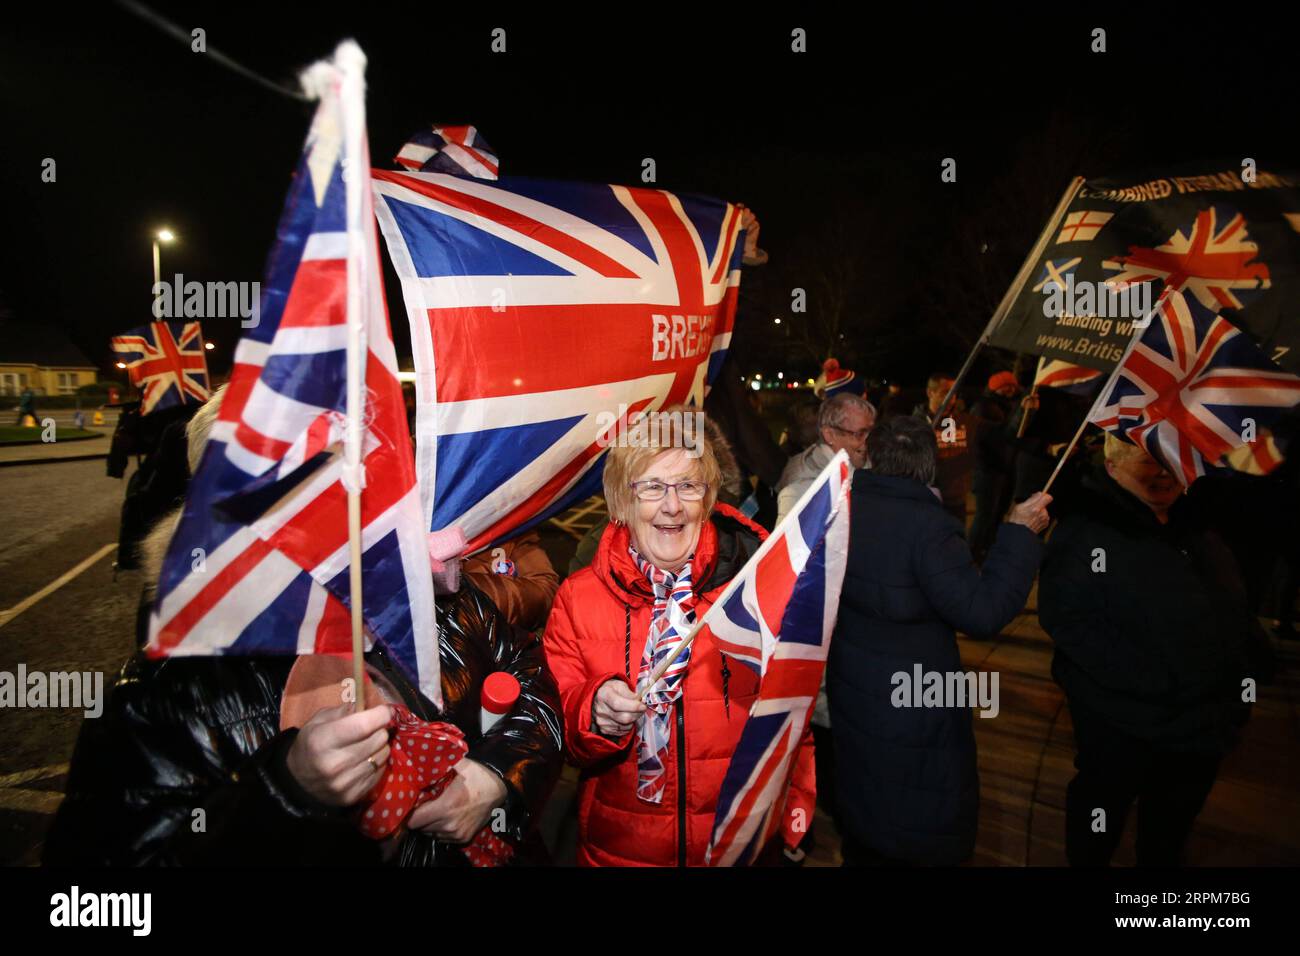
[665, 532]
[851, 434]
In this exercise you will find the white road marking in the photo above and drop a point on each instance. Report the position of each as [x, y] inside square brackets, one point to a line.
[31, 801]
[40, 773]
[25, 603]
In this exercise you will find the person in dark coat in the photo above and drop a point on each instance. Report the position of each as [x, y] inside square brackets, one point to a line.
[908, 791]
[1152, 628]
[191, 734]
[997, 420]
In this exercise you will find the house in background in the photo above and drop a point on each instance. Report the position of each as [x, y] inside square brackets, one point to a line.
[42, 358]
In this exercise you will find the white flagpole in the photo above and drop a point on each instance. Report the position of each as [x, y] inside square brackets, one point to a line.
[350, 63]
[1017, 285]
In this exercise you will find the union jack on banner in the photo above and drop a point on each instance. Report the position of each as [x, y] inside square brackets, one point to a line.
[458, 150]
[167, 362]
[776, 616]
[259, 563]
[1187, 389]
[1214, 260]
[544, 314]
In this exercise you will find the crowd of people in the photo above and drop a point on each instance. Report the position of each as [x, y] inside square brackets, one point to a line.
[1152, 620]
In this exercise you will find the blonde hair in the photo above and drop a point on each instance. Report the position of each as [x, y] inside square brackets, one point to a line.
[152, 548]
[1117, 451]
[200, 427]
[632, 455]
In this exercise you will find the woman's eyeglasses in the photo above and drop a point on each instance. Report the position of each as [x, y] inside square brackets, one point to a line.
[655, 490]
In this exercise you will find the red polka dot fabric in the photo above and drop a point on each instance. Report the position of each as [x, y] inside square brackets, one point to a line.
[420, 767]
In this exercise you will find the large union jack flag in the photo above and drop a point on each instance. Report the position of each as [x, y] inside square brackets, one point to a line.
[1188, 388]
[259, 563]
[1213, 260]
[167, 362]
[777, 617]
[543, 315]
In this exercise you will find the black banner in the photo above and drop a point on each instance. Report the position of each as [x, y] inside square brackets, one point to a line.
[1228, 236]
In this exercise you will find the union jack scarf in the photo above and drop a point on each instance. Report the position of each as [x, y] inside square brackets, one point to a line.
[670, 622]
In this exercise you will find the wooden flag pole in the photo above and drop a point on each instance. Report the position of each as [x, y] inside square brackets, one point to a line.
[350, 64]
[1024, 418]
[1138, 328]
[687, 641]
[1016, 287]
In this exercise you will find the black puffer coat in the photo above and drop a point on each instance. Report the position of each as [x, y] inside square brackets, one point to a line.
[189, 734]
[907, 782]
[1157, 643]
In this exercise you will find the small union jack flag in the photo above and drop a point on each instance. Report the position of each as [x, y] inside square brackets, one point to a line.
[1195, 391]
[1214, 260]
[776, 617]
[167, 362]
[543, 316]
[1053, 373]
[260, 561]
[458, 150]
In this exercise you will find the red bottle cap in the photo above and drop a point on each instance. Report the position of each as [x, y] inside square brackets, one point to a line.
[500, 691]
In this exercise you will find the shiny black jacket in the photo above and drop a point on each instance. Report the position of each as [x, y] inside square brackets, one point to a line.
[187, 763]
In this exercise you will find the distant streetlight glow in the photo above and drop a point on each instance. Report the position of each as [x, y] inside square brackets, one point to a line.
[755, 385]
[780, 375]
[162, 235]
[209, 346]
[777, 320]
[121, 365]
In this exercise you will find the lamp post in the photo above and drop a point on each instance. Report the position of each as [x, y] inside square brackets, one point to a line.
[162, 235]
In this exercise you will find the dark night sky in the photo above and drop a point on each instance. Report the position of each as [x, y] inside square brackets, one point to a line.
[146, 133]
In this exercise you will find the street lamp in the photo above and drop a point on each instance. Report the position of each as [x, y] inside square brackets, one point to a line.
[209, 346]
[162, 235]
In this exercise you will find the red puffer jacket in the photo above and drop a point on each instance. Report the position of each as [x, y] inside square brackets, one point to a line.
[597, 631]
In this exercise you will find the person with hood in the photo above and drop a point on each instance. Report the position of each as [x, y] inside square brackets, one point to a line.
[908, 789]
[194, 763]
[653, 758]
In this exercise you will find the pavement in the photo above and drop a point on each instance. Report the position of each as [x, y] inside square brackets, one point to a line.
[61, 523]
[37, 454]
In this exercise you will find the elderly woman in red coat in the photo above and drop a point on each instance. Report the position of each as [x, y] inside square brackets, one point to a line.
[653, 759]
